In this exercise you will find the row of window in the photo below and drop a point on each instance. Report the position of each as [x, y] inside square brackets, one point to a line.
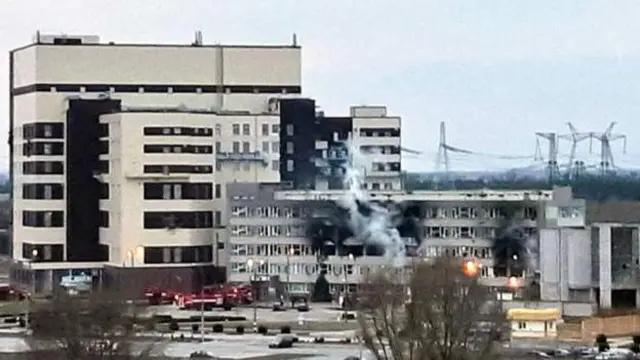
[42, 191]
[178, 169]
[152, 191]
[180, 191]
[50, 130]
[31, 148]
[468, 232]
[177, 149]
[42, 130]
[152, 219]
[385, 166]
[178, 255]
[47, 218]
[53, 219]
[181, 219]
[177, 131]
[314, 269]
[455, 212]
[384, 150]
[43, 168]
[43, 253]
[268, 230]
[379, 132]
[272, 250]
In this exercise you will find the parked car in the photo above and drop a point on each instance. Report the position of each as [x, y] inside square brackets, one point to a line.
[282, 341]
[202, 355]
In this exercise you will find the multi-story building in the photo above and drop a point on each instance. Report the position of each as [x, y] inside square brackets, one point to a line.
[592, 255]
[315, 147]
[120, 152]
[268, 228]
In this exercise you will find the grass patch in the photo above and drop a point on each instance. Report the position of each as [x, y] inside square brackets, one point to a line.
[13, 308]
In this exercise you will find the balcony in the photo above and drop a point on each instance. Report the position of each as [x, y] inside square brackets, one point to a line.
[257, 156]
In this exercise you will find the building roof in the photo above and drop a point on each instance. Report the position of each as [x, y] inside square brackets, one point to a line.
[533, 314]
[626, 212]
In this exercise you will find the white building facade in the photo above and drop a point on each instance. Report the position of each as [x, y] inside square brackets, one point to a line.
[176, 122]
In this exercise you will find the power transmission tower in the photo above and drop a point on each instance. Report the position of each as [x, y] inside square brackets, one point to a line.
[575, 137]
[552, 159]
[607, 163]
[443, 156]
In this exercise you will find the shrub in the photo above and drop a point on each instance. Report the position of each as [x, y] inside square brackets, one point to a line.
[150, 326]
[195, 328]
[379, 333]
[636, 344]
[285, 330]
[218, 328]
[21, 322]
[262, 330]
[240, 330]
[173, 325]
[318, 340]
[601, 343]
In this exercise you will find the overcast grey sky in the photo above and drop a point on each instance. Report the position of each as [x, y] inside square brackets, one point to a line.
[495, 70]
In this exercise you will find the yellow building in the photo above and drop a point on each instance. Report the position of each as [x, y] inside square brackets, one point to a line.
[533, 323]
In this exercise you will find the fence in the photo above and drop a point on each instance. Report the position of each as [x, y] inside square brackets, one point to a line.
[587, 329]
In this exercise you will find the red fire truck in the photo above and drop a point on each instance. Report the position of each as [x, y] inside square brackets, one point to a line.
[158, 296]
[216, 296]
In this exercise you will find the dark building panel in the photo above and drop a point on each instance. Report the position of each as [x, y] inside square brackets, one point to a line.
[83, 132]
[301, 163]
[298, 127]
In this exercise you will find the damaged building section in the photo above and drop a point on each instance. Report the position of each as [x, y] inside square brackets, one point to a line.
[296, 235]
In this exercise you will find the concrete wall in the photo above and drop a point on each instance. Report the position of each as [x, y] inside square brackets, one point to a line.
[565, 262]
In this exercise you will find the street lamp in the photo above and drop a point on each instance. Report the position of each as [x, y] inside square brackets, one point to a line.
[254, 271]
[32, 288]
[290, 253]
[346, 288]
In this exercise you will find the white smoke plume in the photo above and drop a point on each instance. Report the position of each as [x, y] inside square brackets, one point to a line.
[377, 228]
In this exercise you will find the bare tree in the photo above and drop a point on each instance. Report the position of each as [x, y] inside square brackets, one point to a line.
[100, 326]
[436, 310]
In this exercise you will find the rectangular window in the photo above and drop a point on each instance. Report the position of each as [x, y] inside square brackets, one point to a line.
[246, 147]
[246, 129]
[236, 147]
[218, 129]
[265, 129]
[218, 191]
[275, 147]
[290, 165]
[275, 129]
[235, 129]
[265, 147]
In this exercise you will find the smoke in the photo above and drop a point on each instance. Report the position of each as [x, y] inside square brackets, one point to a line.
[371, 223]
[358, 220]
[511, 250]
